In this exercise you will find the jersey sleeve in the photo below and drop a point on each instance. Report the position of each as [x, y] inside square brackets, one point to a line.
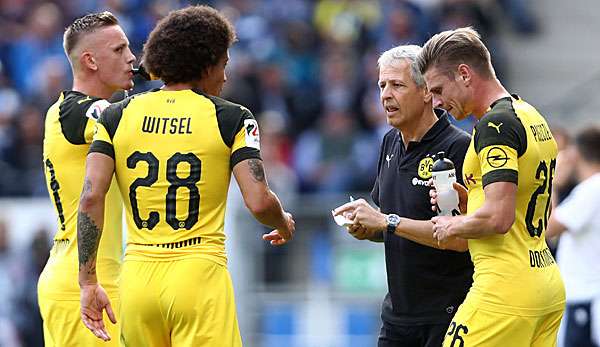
[106, 128]
[78, 115]
[500, 140]
[240, 132]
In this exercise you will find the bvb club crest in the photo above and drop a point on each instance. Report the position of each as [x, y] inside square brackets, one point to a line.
[424, 169]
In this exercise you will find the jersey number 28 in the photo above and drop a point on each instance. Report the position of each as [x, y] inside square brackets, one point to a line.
[175, 181]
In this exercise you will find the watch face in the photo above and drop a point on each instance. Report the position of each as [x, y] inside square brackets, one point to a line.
[393, 219]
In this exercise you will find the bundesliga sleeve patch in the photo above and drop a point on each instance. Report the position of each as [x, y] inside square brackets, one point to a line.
[95, 109]
[252, 133]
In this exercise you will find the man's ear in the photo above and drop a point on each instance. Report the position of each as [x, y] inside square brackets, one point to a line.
[206, 72]
[464, 74]
[427, 97]
[87, 60]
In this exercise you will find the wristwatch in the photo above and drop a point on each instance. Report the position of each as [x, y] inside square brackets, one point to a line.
[392, 222]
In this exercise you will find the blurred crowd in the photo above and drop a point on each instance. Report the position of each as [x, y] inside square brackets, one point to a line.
[20, 320]
[307, 69]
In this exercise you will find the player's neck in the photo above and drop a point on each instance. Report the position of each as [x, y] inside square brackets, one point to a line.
[415, 131]
[485, 94]
[180, 86]
[92, 87]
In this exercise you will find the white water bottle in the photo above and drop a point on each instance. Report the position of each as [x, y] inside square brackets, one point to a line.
[444, 175]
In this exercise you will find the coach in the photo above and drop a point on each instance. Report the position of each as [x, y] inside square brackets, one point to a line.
[427, 281]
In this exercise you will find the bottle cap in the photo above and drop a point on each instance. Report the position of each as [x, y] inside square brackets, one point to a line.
[442, 163]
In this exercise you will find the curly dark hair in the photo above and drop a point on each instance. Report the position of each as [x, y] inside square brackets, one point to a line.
[85, 25]
[185, 43]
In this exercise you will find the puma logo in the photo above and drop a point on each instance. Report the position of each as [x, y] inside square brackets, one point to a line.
[388, 158]
[497, 127]
[87, 98]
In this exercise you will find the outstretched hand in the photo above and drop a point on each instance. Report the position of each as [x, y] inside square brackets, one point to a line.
[274, 238]
[94, 300]
[281, 236]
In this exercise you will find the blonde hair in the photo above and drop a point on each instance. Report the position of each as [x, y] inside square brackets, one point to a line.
[448, 49]
[85, 25]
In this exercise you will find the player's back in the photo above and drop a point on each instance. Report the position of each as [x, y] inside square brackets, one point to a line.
[68, 132]
[173, 153]
[514, 272]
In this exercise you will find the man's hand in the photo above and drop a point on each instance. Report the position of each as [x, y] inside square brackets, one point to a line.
[463, 196]
[93, 301]
[281, 236]
[367, 220]
[359, 232]
[443, 229]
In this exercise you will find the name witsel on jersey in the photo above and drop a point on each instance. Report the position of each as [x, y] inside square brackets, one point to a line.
[167, 125]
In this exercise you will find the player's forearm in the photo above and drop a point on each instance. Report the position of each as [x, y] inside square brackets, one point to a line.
[421, 232]
[259, 199]
[270, 212]
[495, 216]
[486, 221]
[90, 219]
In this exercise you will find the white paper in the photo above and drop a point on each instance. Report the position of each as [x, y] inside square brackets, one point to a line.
[342, 221]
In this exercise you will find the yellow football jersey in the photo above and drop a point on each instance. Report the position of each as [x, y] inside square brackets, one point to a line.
[69, 129]
[515, 272]
[173, 152]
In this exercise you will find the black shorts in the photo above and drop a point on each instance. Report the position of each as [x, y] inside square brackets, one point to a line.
[578, 332]
[429, 335]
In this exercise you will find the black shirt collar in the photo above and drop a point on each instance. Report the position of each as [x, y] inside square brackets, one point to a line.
[442, 123]
[69, 91]
[439, 126]
[506, 98]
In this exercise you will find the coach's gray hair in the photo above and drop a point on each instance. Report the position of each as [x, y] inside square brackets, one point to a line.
[399, 53]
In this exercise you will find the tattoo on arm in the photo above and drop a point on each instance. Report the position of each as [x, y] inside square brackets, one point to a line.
[87, 187]
[257, 170]
[88, 236]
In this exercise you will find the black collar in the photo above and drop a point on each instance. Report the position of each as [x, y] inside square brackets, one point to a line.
[439, 126]
[506, 98]
[70, 91]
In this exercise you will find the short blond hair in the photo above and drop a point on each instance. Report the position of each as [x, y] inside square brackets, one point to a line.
[448, 49]
[85, 25]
